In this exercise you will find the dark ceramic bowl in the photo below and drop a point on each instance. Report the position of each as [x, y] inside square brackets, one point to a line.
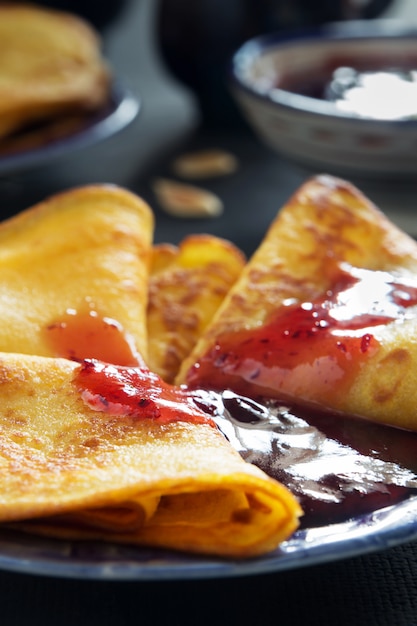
[284, 86]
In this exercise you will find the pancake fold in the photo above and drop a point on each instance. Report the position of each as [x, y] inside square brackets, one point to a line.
[68, 471]
[324, 314]
[93, 445]
[187, 284]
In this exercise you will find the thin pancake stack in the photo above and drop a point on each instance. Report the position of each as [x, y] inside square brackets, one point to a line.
[51, 71]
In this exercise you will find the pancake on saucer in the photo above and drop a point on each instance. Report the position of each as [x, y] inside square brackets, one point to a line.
[51, 66]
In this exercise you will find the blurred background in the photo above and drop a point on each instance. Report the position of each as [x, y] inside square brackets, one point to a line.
[173, 55]
[171, 52]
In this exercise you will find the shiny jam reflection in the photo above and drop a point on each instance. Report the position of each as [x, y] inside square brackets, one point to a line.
[338, 467]
[312, 350]
[135, 392]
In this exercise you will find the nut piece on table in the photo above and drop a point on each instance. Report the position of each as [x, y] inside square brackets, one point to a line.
[205, 164]
[182, 200]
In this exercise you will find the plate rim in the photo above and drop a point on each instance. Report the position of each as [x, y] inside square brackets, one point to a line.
[376, 531]
[125, 107]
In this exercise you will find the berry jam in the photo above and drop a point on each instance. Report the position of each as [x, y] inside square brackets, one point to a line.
[81, 334]
[135, 392]
[337, 466]
[309, 350]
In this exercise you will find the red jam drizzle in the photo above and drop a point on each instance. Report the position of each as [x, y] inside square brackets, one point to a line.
[82, 334]
[135, 392]
[308, 347]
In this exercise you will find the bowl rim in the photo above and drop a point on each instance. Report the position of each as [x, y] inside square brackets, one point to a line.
[349, 31]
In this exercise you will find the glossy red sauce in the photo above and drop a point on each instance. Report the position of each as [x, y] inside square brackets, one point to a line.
[81, 334]
[135, 392]
[314, 84]
[310, 350]
[337, 466]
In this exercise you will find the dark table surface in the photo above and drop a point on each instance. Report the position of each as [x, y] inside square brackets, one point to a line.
[379, 588]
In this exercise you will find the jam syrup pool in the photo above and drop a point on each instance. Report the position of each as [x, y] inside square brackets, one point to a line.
[309, 347]
[375, 88]
[338, 467]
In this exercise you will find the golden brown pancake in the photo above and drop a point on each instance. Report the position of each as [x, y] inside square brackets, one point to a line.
[187, 285]
[92, 444]
[74, 276]
[50, 65]
[87, 452]
[324, 313]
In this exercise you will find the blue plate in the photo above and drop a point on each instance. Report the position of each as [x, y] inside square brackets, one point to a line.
[119, 112]
[379, 530]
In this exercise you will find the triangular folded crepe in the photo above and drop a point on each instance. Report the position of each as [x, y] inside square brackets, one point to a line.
[51, 65]
[73, 276]
[103, 452]
[324, 314]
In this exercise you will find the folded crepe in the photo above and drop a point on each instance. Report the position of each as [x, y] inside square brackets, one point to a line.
[97, 451]
[50, 65]
[324, 313]
[186, 286]
[74, 276]
[92, 444]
